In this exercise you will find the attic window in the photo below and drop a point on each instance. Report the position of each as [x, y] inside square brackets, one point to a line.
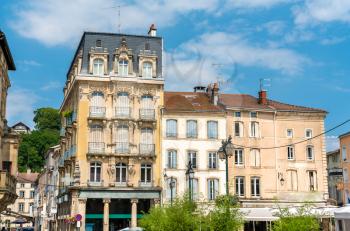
[98, 43]
[147, 46]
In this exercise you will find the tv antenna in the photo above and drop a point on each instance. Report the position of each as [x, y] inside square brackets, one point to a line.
[118, 6]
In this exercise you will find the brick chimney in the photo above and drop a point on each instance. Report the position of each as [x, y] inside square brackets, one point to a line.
[152, 31]
[213, 93]
[263, 97]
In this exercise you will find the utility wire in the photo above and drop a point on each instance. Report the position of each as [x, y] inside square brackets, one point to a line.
[299, 142]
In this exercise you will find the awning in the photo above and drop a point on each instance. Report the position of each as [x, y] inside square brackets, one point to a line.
[259, 214]
[342, 212]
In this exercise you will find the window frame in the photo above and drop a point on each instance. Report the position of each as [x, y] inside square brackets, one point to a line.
[254, 190]
[123, 67]
[147, 73]
[120, 166]
[98, 66]
[239, 152]
[169, 126]
[254, 133]
[310, 147]
[209, 134]
[240, 129]
[213, 160]
[96, 165]
[145, 167]
[188, 133]
[311, 133]
[290, 155]
[190, 158]
[213, 192]
[239, 185]
[171, 160]
[292, 133]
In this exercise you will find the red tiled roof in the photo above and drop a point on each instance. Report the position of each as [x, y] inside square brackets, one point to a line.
[248, 101]
[24, 177]
[189, 102]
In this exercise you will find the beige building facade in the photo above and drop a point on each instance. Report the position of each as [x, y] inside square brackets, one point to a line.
[110, 163]
[344, 142]
[279, 155]
[8, 138]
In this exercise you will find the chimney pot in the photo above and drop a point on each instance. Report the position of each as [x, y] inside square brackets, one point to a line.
[263, 97]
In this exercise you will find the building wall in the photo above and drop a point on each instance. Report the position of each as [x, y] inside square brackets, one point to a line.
[274, 163]
[335, 177]
[344, 141]
[202, 145]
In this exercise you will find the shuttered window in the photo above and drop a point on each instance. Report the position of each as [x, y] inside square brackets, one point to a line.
[292, 180]
[255, 158]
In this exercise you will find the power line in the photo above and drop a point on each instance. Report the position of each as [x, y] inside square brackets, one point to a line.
[299, 142]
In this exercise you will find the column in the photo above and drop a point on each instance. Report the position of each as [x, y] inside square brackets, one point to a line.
[82, 212]
[106, 214]
[134, 212]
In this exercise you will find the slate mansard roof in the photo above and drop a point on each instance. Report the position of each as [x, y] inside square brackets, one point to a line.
[111, 41]
[200, 102]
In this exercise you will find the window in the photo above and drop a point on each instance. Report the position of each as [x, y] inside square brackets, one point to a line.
[31, 207]
[194, 187]
[171, 128]
[253, 114]
[21, 194]
[212, 160]
[254, 129]
[292, 180]
[255, 157]
[172, 158]
[32, 193]
[191, 128]
[147, 46]
[96, 144]
[95, 172]
[123, 105]
[308, 133]
[213, 189]
[97, 104]
[255, 186]
[147, 145]
[290, 133]
[147, 107]
[121, 172]
[240, 186]
[345, 175]
[238, 129]
[212, 129]
[343, 153]
[98, 67]
[123, 67]
[7, 166]
[22, 186]
[237, 114]
[122, 139]
[147, 70]
[146, 173]
[192, 158]
[309, 152]
[98, 43]
[20, 207]
[290, 152]
[312, 180]
[239, 157]
[171, 188]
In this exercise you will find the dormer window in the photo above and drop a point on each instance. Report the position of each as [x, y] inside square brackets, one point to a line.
[147, 70]
[98, 43]
[98, 67]
[123, 67]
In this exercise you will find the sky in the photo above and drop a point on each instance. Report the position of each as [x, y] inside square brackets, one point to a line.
[300, 48]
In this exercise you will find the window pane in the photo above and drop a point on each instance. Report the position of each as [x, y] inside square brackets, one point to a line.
[212, 128]
[171, 128]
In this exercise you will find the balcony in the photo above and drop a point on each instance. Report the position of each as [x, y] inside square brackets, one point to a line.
[7, 189]
[97, 112]
[96, 148]
[122, 147]
[123, 112]
[171, 134]
[147, 114]
[147, 149]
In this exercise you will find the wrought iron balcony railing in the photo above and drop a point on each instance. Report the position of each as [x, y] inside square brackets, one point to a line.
[122, 147]
[97, 112]
[123, 112]
[147, 149]
[147, 114]
[96, 147]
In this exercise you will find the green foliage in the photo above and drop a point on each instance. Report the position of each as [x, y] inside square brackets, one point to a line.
[67, 114]
[33, 146]
[301, 219]
[47, 118]
[184, 215]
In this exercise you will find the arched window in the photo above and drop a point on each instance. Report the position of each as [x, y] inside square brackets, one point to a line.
[121, 173]
[95, 172]
[123, 105]
[96, 144]
[98, 68]
[122, 139]
[97, 104]
[147, 70]
[123, 67]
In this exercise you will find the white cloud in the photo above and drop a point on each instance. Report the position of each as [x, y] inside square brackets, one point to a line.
[30, 63]
[332, 143]
[256, 3]
[274, 27]
[322, 11]
[20, 106]
[332, 40]
[192, 62]
[51, 85]
[55, 22]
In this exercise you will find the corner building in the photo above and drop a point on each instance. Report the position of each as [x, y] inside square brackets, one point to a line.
[110, 163]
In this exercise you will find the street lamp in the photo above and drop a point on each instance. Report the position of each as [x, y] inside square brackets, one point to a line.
[224, 152]
[190, 175]
[171, 185]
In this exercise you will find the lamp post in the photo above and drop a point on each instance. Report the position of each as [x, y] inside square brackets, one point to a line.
[171, 185]
[225, 152]
[190, 175]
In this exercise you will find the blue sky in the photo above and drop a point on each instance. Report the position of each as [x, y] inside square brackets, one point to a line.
[302, 46]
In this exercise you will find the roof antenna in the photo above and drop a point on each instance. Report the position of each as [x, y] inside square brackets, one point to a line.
[119, 23]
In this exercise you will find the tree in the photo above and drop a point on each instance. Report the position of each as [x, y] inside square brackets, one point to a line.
[301, 219]
[47, 118]
[33, 146]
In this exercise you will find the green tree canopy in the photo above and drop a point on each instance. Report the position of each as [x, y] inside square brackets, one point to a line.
[33, 146]
[47, 118]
